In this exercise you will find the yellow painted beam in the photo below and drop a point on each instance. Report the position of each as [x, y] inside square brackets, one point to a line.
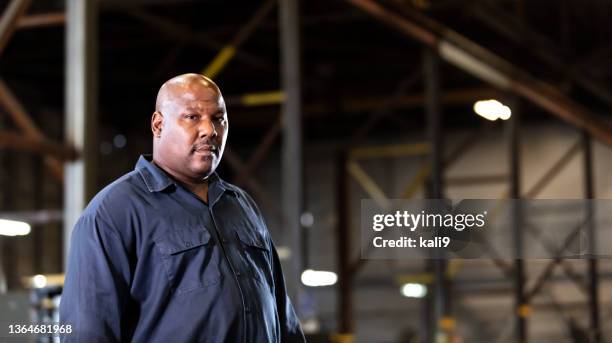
[368, 184]
[342, 338]
[417, 181]
[262, 98]
[219, 62]
[422, 278]
[394, 150]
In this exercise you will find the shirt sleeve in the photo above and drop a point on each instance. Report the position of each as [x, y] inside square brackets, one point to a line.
[96, 288]
[291, 330]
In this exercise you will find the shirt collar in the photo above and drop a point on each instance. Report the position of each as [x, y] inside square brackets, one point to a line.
[157, 180]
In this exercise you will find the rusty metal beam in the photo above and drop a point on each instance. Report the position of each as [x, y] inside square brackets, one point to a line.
[16, 140]
[41, 20]
[485, 65]
[542, 47]
[24, 122]
[8, 22]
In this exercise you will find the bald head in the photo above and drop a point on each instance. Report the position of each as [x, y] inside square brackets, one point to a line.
[183, 86]
[189, 127]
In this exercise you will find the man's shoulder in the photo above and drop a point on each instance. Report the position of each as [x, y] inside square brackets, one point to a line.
[119, 194]
[233, 188]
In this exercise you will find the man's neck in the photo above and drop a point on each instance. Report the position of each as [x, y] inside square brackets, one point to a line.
[197, 187]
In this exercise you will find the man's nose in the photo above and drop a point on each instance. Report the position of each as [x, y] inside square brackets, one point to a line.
[207, 128]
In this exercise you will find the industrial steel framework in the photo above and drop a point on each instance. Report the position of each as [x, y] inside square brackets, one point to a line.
[440, 43]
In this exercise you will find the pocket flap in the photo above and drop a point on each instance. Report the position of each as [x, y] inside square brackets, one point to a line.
[176, 241]
[251, 238]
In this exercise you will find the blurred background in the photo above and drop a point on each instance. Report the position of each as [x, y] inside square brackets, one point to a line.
[329, 102]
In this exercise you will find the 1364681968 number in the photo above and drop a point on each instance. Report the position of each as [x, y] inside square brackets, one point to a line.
[39, 329]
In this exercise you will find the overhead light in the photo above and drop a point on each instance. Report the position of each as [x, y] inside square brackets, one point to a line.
[307, 219]
[13, 228]
[39, 281]
[318, 278]
[414, 290]
[492, 110]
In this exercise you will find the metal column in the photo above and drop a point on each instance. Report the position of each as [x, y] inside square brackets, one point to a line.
[521, 306]
[292, 137]
[442, 312]
[81, 104]
[589, 194]
[346, 323]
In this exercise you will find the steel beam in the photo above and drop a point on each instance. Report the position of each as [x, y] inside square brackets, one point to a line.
[41, 20]
[485, 65]
[24, 122]
[182, 32]
[8, 22]
[471, 180]
[539, 45]
[442, 314]
[391, 150]
[292, 136]
[237, 165]
[553, 171]
[593, 275]
[383, 107]
[81, 104]
[521, 306]
[14, 140]
[346, 322]
[260, 152]
[229, 51]
[369, 185]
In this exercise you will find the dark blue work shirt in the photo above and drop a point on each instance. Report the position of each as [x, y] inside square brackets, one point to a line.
[150, 262]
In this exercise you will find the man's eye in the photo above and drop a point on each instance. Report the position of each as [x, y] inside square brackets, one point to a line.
[191, 116]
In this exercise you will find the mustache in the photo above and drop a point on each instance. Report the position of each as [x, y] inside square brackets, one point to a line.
[206, 145]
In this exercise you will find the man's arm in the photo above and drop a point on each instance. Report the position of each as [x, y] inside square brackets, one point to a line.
[96, 288]
[290, 324]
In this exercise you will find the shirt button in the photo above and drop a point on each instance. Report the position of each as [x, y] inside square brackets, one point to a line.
[238, 274]
[248, 309]
[224, 240]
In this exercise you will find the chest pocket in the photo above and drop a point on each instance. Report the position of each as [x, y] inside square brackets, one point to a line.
[189, 258]
[256, 254]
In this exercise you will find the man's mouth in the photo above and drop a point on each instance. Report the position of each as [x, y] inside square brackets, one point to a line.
[206, 150]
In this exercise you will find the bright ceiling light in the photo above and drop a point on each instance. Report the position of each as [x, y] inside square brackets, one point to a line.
[492, 110]
[39, 281]
[318, 278]
[414, 290]
[13, 228]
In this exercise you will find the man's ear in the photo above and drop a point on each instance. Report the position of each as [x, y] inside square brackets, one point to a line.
[157, 119]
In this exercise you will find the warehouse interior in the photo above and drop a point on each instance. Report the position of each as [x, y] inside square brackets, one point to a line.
[329, 102]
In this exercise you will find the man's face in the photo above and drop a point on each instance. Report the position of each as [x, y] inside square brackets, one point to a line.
[193, 130]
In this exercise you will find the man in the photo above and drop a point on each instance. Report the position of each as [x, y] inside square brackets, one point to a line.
[170, 252]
